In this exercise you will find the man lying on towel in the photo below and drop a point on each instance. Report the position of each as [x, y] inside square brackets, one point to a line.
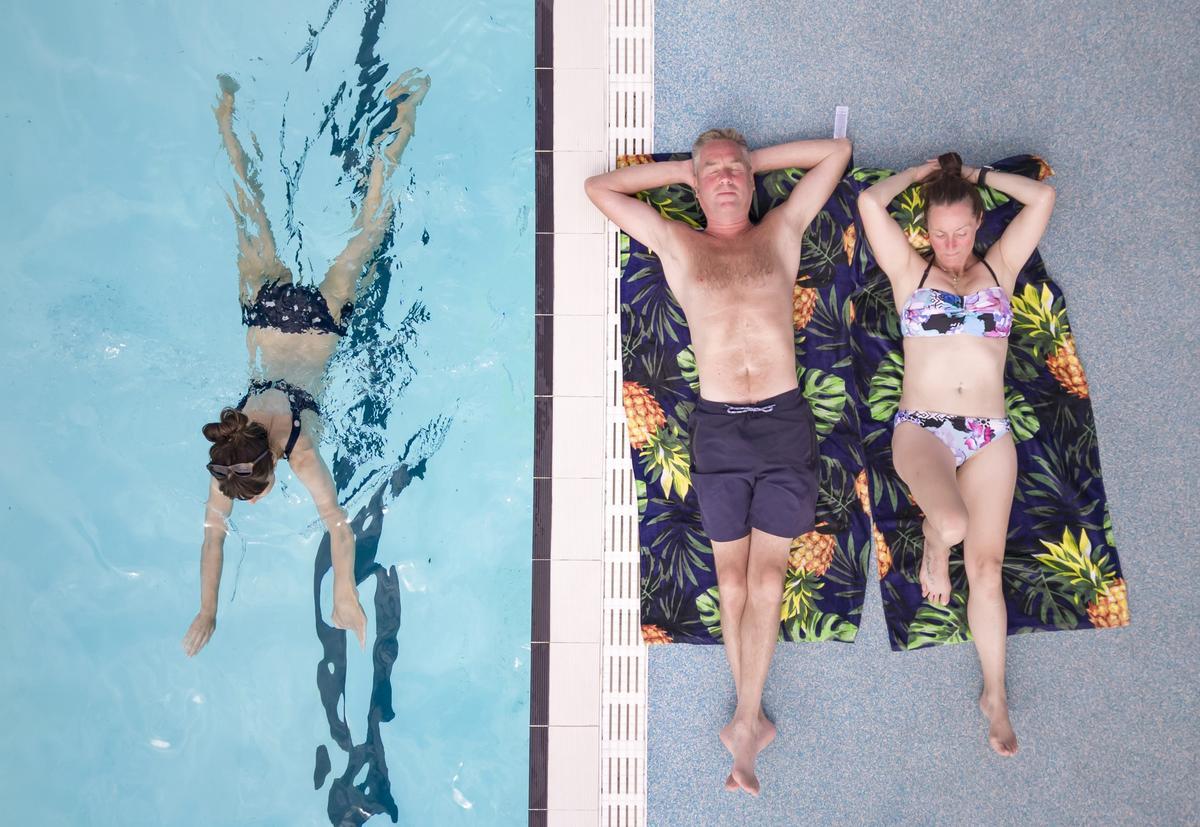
[753, 438]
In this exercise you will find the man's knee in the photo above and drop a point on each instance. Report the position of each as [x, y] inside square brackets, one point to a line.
[766, 582]
[732, 574]
[732, 592]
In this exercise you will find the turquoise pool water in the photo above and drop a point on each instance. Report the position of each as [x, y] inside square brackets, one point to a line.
[118, 253]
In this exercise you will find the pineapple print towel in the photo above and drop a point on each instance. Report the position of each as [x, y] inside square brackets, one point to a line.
[1061, 568]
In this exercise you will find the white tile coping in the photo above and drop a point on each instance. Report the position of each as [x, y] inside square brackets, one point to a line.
[603, 107]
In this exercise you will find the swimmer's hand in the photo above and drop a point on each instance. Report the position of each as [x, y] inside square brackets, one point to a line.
[348, 614]
[199, 632]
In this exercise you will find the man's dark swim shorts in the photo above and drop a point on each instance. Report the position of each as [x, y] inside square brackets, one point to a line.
[755, 466]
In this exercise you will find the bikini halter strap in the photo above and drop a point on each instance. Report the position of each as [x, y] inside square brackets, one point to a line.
[982, 261]
[925, 275]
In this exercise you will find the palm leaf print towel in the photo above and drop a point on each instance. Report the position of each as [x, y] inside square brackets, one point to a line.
[1061, 568]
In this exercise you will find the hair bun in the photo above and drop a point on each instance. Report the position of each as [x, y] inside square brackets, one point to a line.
[233, 423]
[950, 164]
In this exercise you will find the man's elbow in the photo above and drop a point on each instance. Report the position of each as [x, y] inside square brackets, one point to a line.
[593, 186]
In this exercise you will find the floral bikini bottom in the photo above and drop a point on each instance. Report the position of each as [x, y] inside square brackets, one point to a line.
[963, 435]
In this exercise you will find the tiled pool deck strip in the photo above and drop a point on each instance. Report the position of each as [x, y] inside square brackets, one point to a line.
[587, 721]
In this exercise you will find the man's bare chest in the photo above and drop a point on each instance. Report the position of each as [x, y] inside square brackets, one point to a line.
[737, 268]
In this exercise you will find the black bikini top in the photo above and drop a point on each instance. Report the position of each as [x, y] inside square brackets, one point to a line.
[298, 400]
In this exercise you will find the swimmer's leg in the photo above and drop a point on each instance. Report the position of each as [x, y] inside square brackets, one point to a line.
[375, 212]
[258, 260]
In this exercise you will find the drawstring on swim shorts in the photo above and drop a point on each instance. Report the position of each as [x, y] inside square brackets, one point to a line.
[741, 409]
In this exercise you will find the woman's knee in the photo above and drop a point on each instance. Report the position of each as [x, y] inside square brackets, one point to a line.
[949, 527]
[984, 569]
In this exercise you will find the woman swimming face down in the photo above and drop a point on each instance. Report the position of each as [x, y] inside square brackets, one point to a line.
[240, 459]
[953, 213]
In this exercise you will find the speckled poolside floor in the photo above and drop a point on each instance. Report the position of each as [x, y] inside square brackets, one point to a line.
[1107, 720]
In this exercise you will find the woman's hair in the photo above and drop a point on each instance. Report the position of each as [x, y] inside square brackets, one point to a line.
[946, 185]
[237, 439]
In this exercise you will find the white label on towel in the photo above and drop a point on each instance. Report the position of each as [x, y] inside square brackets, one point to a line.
[841, 115]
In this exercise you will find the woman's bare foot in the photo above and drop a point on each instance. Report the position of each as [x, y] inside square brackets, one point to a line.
[1000, 731]
[935, 571]
[745, 742]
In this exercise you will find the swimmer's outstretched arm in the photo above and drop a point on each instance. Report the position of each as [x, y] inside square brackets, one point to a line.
[212, 554]
[896, 257]
[825, 161]
[615, 194]
[311, 470]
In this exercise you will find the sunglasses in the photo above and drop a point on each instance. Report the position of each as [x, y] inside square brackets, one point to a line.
[241, 469]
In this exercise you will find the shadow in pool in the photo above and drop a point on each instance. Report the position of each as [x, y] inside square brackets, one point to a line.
[370, 372]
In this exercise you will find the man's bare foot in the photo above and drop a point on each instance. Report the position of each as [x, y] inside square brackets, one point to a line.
[766, 734]
[935, 571]
[1000, 731]
[742, 739]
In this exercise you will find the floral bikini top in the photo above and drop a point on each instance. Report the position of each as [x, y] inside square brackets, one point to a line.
[933, 312]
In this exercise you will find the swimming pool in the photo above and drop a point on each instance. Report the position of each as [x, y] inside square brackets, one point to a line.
[120, 252]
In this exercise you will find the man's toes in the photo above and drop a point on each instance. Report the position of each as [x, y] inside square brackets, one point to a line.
[730, 784]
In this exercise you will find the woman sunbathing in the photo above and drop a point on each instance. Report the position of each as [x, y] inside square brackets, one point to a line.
[952, 443]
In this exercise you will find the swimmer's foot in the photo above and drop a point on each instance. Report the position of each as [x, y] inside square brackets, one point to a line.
[228, 85]
[224, 108]
[1000, 731]
[405, 94]
[744, 742]
[935, 571]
